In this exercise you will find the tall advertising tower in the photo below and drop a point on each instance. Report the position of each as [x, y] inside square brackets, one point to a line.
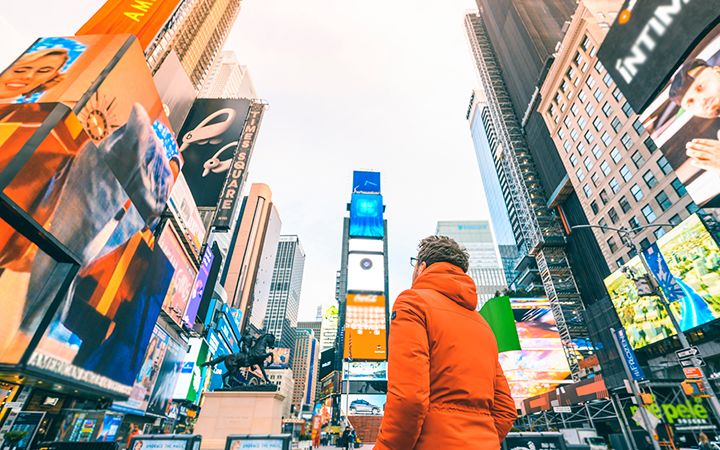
[363, 317]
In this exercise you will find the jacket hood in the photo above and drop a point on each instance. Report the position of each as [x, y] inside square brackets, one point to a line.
[450, 281]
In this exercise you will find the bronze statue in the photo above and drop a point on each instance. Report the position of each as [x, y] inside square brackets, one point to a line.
[253, 352]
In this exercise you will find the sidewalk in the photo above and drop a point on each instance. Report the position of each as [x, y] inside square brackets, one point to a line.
[364, 447]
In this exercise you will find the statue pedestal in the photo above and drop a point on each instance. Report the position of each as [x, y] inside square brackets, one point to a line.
[238, 412]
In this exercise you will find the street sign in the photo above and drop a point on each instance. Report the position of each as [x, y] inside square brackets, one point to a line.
[692, 372]
[694, 361]
[687, 352]
[562, 409]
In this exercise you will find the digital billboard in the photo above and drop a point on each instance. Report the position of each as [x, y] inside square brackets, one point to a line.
[540, 365]
[366, 182]
[365, 370]
[175, 89]
[366, 216]
[366, 272]
[365, 327]
[684, 120]
[189, 383]
[198, 289]
[169, 371]
[208, 142]
[648, 40]
[366, 245]
[142, 18]
[281, 358]
[644, 318]
[181, 286]
[363, 404]
[182, 206]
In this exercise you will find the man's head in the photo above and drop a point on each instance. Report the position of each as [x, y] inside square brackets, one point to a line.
[435, 249]
[696, 88]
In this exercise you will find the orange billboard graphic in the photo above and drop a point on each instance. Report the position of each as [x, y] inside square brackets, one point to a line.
[365, 327]
[143, 18]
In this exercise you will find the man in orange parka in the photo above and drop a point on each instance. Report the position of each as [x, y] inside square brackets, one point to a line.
[446, 389]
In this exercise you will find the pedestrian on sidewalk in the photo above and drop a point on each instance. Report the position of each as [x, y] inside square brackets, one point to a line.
[348, 438]
[446, 389]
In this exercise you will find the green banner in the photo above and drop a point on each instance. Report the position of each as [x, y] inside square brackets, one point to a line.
[499, 315]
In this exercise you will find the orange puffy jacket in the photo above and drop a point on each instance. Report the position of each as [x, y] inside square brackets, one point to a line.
[446, 389]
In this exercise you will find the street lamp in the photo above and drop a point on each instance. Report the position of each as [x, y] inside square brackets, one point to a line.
[626, 235]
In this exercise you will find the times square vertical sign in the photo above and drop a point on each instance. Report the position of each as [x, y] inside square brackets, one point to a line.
[233, 183]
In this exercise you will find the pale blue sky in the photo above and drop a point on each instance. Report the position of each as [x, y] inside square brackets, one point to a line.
[381, 85]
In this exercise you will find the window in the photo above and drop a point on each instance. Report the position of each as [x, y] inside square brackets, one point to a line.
[558, 97]
[582, 122]
[650, 144]
[597, 151]
[588, 163]
[636, 192]
[663, 200]
[638, 159]
[581, 148]
[633, 222]
[585, 44]
[598, 94]
[664, 165]
[659, 232]
[578, 58]
[599, 67]
[627, 109]
[594, 207]
[605, 167]
[650, 179]
[644, 244]
[574, 109]
[606, 138]
[614, 185]
[620, 262]
[692, 208]
[567, 145]
[597, 123]
[626, 141]
[604, 197]
[582, 96]
[589, 137]
[675, 220]
[615, 155]
[612, 215]
[607, 79]
[617, 95]
[573, 160]
[580, 174]
[638, 126]
[590, 109]
[624, 204]
[590, 82]
[564, 86]
[574, 134]
[616, 124]
[607, 109]
[612, 245]
[567, 122]
[595, 179]
[679, 187]
[587, 191]
[603, 223]
[570, 73]
[648, 213]
[625, 172]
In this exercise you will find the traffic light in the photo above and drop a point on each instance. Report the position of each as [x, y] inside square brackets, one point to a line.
[693, 388]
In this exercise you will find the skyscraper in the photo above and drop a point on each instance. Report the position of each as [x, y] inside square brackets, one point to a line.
[485, 266]
[228, 79]
[248, 271]
[313, 325]
[196, 32]
[305, 366]
[282, 312]
[540, 236]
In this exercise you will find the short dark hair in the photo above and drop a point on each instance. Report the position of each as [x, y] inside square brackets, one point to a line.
[434, 249]
[682, 81]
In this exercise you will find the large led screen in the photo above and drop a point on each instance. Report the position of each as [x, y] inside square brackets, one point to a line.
[198, 289]
[208, 141]
[684, 121]
[167, 378]
[366, 216]
[181, 286]
[365, 370]
[644, 318]
[540, 365]
[366, 272]
[365, 327]
[366, 182]
[366, 245]
[183, 208]
[363, 404]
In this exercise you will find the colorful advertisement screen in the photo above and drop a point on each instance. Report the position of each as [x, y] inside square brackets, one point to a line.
[684, 121]
[167, 378]
[181, 286]
[281, 358]
[365, 327]
[540, 365]
[366, 216]
[201, 283]
[208, 141]
[366, 182]
[365, 370]
[363, 404]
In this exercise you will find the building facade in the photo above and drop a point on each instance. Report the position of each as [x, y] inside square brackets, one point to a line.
[313, 325]
[258, 230]
[228, 79]
[622, 179]
[283, 378]
[486, 268]
[305, 366]
[284, 301]
[196, 32]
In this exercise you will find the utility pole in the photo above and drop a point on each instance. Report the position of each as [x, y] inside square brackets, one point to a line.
[626, 235]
